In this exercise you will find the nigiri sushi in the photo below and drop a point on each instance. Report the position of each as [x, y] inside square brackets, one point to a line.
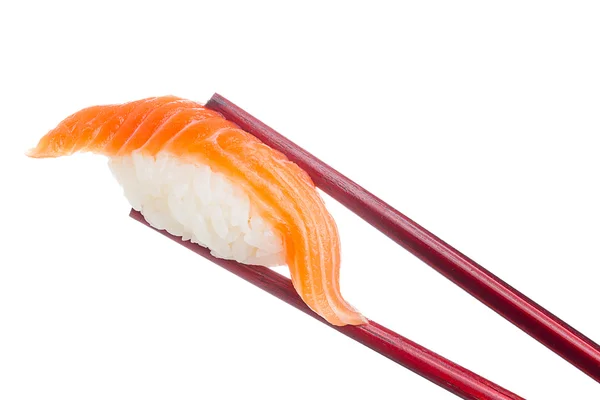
[191, 172]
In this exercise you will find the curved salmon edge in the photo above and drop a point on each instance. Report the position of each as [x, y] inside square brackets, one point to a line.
[282, 192]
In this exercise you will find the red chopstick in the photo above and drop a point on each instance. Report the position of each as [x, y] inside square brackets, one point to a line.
[536, 321]
[431, 366]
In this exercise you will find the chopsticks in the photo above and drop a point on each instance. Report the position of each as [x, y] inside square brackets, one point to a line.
[416, 358]
[532, 318]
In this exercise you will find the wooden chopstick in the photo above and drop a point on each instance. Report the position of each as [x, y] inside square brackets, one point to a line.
[444, 373]
[532, 318]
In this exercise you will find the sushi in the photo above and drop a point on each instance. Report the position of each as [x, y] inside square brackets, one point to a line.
[191, 172]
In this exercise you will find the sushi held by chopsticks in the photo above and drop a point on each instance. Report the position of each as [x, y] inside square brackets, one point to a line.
[196, 175]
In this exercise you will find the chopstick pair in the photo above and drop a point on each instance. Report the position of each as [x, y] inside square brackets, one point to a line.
[483, 285]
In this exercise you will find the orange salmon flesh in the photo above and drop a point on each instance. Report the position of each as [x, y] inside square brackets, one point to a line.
[283, 193]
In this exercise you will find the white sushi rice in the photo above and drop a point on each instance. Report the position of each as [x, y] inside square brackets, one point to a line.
[196, 203]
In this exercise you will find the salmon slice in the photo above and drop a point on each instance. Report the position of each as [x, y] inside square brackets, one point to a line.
[283, 193]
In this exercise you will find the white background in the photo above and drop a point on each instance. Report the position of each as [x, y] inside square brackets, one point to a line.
[479, 120]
